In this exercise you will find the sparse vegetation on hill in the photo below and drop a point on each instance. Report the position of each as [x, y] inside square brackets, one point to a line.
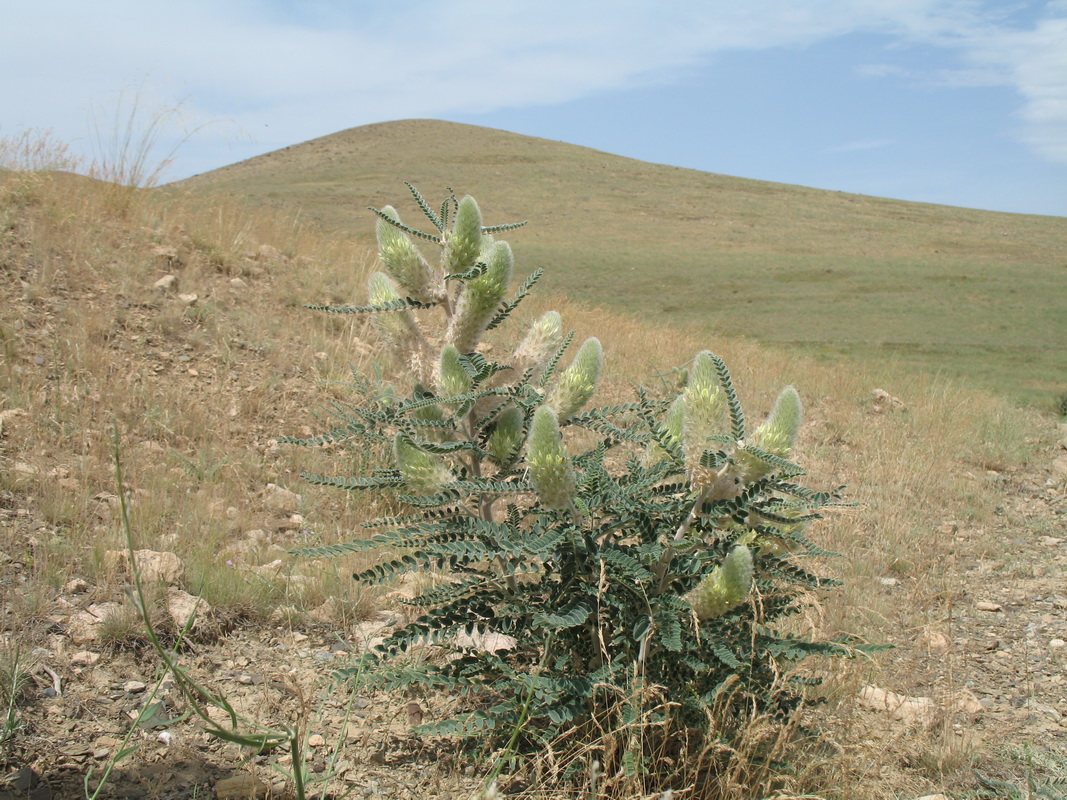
[952, 521]
[971, 294]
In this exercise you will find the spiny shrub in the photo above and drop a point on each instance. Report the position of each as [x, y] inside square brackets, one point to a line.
[566, 582]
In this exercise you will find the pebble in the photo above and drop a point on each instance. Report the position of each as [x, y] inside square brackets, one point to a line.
[1057, 643]
[987, 606]
[134, 687]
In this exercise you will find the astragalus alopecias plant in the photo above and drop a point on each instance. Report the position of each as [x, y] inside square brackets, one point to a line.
[568, 586]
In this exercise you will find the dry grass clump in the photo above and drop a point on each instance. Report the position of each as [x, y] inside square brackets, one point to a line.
[197, 378]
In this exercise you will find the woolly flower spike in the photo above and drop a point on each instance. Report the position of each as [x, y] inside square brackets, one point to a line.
[465, 241]
[550, 466]
[577, 384]
[775, 436]
[506, 437]
[539, 344]
[405, 263]
[481, 299]
[703, 416]
[726, 587]
[397, 328]
[423, 473]
[451, 378]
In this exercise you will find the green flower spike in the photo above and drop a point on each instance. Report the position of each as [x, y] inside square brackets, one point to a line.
[480, 300]
[424, 473]
[451, 378]
[726, 587]
[401, 259]
[577, 384]
[506, 437]
[703, 417]
[776, 436]
[465, 241]
[550, 466]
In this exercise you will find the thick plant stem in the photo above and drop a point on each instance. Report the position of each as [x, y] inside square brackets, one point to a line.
[660, 572]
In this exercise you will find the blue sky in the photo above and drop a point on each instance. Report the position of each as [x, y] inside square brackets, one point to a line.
[961, 102]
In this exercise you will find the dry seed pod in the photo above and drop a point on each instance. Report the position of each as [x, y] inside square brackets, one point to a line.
[726, 587]
[577, 384]
[550, 465]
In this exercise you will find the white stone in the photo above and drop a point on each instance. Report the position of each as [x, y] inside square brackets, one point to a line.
[920, 711]
[153, 566]
[277, 498]
[182, 606]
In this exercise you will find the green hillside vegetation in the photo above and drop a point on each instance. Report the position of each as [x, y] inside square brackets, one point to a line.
[969, 293]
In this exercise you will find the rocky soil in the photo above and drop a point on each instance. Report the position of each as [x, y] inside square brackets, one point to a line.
[987, 672]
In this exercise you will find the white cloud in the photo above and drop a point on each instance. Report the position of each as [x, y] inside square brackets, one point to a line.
[309, 69]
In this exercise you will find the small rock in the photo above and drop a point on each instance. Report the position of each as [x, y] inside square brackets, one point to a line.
[277, 498]
[154, 567]
[883, 401]
[488, 641]
[182, 607]
[909, 710]
[316, 740]
[329, 613]
[168, 283]
[935, 797]
[134, 687]
[75, 586]
[936, 640]
[238, 283]
[987, 606]
[11, 413]
[188, 299]
[1056, 644]
[241, 787]
[889, 581]
[415, 713]
[966, 702]
[1059, 466]
[84, 658]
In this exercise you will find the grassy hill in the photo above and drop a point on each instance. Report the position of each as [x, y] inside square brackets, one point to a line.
[972, 293]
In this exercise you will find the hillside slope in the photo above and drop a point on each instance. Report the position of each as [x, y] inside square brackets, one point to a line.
[973, 293]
